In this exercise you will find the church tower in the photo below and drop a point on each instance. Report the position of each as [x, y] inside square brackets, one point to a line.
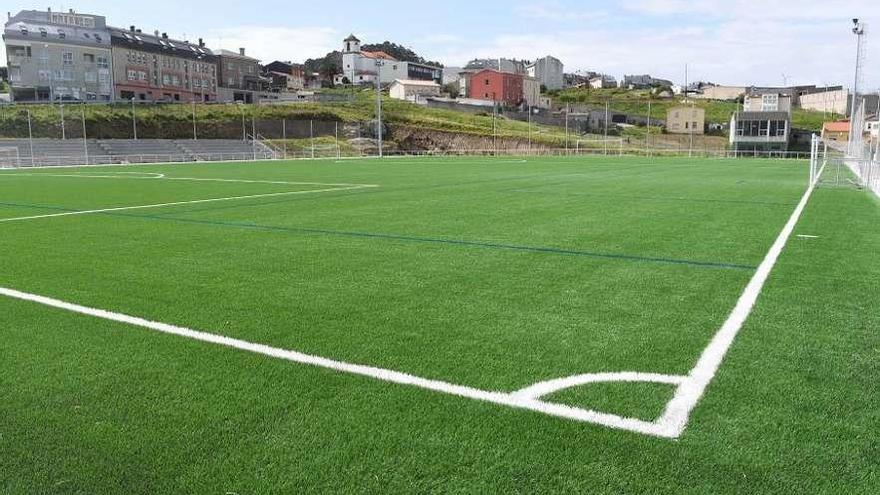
[351, 56]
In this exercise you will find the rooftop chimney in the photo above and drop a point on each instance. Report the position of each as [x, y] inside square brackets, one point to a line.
[156, 33]
[165, 36]
[241, 51]
[72, 12]
[131, 28]
[201, 43]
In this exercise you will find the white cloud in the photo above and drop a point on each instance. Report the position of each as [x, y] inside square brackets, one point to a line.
[755, 52]
[270, 43]
[555, 11]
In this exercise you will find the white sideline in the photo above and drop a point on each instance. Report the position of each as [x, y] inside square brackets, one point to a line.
[502, 398]
[158, 176]
[178, 203]
[689, 389]
[677, 414]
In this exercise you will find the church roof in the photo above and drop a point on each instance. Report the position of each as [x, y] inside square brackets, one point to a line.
[352, 37]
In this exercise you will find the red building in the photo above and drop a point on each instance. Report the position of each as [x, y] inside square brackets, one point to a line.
[501, 87]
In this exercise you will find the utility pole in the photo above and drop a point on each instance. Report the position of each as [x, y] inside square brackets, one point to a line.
[195, 135]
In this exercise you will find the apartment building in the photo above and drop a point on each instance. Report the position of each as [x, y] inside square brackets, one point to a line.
[58, 56]
[156, 68]
[239, 77]
[549, 71]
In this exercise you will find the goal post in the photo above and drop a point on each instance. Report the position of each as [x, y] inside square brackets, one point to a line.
[9, 157]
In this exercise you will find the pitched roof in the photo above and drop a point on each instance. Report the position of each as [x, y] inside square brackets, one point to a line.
[378, 54]
[836, 126]
[352, 37]
[415, 82]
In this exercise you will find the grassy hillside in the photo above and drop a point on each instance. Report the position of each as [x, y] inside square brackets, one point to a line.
[115, 121]
[636, 102]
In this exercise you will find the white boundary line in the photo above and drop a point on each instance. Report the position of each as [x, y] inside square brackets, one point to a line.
[177, 203]
[689, 389]
[162, 176]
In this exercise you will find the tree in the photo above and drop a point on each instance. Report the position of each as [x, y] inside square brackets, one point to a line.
[452, 89]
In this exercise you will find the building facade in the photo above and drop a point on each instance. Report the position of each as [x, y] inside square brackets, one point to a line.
[364, 67]
[723, 93]
[767, 102]
[413, 90]
[760, 131]
[532, 92]
[686, 120]
[549, 71]
[156, 68]
[239, 77]
[55, 56]
[505, 88]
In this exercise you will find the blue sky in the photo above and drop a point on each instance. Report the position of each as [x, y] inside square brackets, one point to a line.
[725, 41]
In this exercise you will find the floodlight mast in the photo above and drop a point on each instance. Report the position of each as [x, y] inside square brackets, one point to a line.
[859, 31]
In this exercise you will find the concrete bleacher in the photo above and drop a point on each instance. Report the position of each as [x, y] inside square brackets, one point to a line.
[57, 152]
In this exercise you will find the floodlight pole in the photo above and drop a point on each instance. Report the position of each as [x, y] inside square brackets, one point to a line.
[312, 137]
[195, 135]
[85, 139]
[859, 31]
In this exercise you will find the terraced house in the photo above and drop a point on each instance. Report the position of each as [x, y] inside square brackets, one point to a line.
[58, 56]
[156, 68]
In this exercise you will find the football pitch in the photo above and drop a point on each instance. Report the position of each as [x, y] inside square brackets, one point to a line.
[592, 325]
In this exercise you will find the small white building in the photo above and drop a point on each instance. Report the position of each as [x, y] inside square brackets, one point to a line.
[602, 81]
[413, 90]
[362, 67]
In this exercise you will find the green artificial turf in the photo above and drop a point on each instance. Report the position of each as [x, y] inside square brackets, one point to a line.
[490, 273]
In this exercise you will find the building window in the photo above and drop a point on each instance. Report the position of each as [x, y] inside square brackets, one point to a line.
[770, 103]
[67, 58]
[103, 63]
[43, 33]
[62, 34]
[88, 58]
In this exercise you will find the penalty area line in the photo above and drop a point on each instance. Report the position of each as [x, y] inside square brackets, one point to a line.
[177, 203]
